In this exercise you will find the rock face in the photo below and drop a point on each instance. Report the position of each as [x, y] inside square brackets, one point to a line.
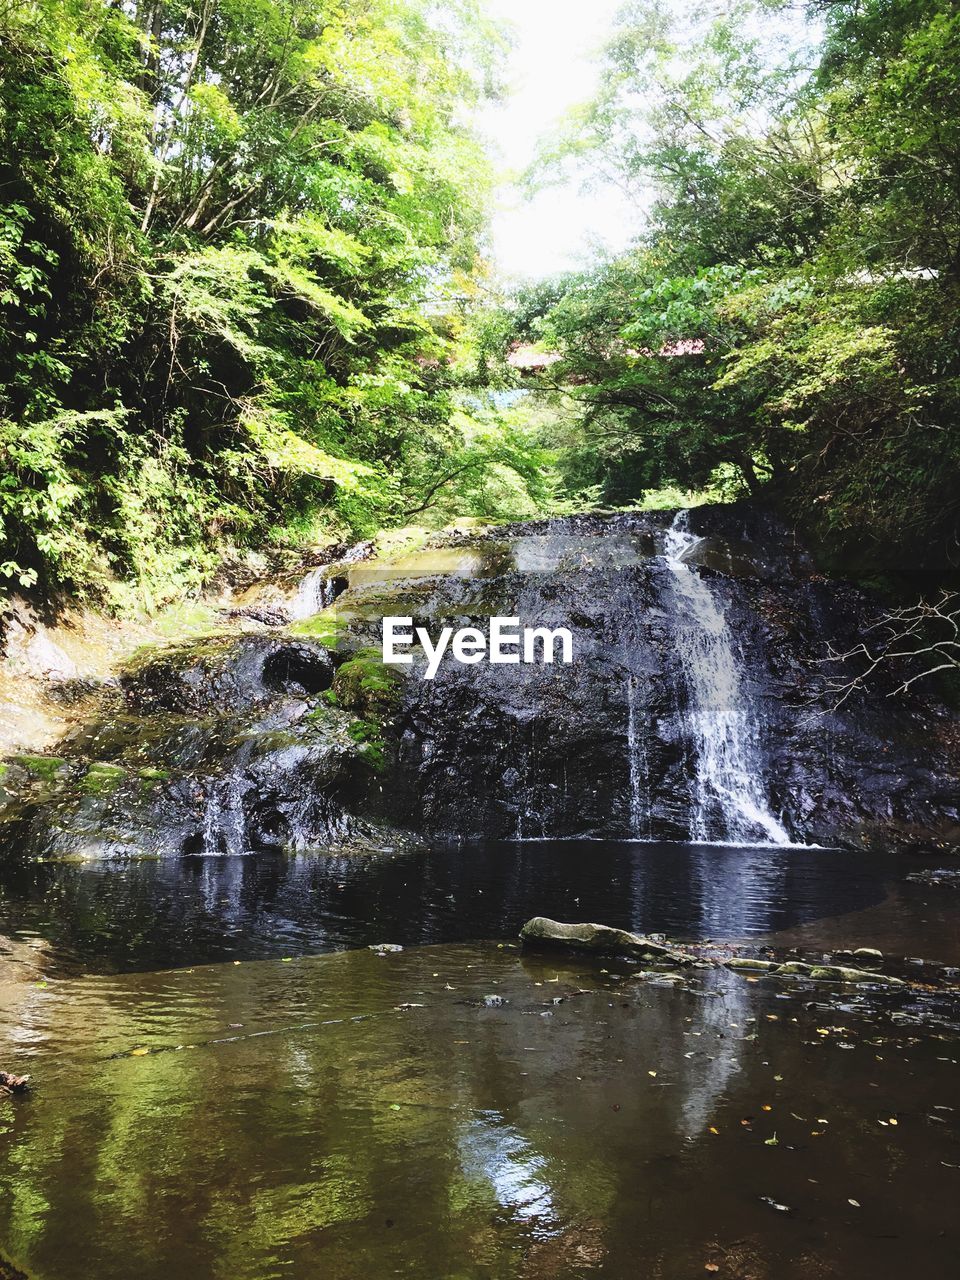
[698, 706]
[662, 728]
[224, 746]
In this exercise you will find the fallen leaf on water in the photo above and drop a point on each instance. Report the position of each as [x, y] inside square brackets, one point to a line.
[138, 1053]
[781, 1208]
[766, 1107]
[713, 1130]
[772, 1142]
[710, 1266]
[651, 1073]
[855, 1203]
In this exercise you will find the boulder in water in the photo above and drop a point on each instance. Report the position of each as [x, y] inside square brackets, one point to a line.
[600, 939]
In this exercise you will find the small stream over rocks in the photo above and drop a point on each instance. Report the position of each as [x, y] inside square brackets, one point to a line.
[697, 707]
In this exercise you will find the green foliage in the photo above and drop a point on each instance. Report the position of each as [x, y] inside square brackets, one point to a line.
[233, 241]
[788, 318]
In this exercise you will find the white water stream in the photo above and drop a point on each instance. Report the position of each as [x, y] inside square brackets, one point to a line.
[729, 789]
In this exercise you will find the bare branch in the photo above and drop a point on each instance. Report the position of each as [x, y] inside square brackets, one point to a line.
[913, 644]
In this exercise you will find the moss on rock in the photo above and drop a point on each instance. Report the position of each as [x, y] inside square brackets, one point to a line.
[100, 779]
[368, 686]
[45, 767]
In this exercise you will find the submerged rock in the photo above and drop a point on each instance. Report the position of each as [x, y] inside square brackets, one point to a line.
[13, 1084]
[841, 973]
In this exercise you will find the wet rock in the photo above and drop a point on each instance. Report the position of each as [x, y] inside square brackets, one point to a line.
[604, 748]
[748, 965]
[598, 939]
[269, 741]
[384, 948]
[268, 615]
[13, 1084]
[868, 954]
[841, 973]
[227, 675]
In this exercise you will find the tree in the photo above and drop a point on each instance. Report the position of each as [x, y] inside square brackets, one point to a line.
[233, 244]
[789, 310]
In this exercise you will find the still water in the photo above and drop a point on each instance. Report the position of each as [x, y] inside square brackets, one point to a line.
[211, 1100]
[161, 914]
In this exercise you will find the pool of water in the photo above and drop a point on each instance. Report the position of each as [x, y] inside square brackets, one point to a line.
[358, 1116]
[213, 1099]
[158, 914]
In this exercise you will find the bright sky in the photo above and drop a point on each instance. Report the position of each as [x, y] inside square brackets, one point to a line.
[551, 69]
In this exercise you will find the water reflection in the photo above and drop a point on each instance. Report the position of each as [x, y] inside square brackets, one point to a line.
[493, 1152]
[360, 1116]
[146, 914]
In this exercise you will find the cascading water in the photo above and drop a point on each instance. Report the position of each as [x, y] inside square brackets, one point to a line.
[314, 593]
[729, 798]
[639, 812]
[320, 587]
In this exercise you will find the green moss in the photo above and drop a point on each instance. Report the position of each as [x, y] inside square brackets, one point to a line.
[101, 779]
[323, 714]
[186, 618]
[327, 627]
[45, 767]
[150, 778]
[368, 735]
[368, 686]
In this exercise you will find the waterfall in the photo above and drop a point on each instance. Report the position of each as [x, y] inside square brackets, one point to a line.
[314, 593]
[636, 758]
[729, 800]
[224, 818]
[224, 824]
